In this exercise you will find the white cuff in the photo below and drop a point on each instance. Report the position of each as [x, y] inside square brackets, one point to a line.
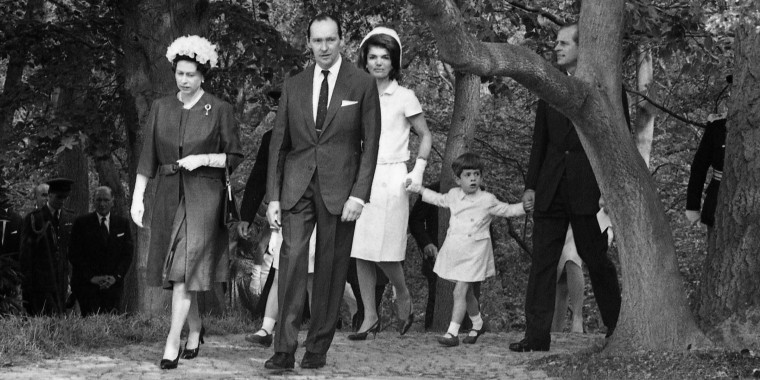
[358, 200]
[216, 160]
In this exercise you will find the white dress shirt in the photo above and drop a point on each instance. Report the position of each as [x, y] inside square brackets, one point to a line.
[317, 84]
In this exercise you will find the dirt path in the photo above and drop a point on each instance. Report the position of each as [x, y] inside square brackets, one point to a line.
[414, 356]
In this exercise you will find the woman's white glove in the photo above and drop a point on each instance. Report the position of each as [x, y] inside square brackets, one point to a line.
[416, 174]
[194, 161]
[138, 208]
[255, 285]
[413, 187]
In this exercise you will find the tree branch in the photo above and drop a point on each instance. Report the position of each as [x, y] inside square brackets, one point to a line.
[663, 109]
[553, 18]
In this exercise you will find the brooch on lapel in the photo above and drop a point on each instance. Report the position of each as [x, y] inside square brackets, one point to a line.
[207, 107]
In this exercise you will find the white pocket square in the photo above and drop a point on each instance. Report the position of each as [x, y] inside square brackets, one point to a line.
[120, 235]
[14, 232]
[348, 103]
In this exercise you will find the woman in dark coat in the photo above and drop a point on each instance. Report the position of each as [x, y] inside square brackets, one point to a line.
[190, 138]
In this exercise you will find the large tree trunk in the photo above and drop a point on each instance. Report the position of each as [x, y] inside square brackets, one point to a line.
[655, 314]
[459, 140]
[108, 175]
[644, 122]
[149, 28]
[14, 74]
[728, 301]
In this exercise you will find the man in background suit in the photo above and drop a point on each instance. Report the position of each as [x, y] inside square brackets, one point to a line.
[100, 253]
[321, 164]
[10, 229]
[44, 252]
[562, 189]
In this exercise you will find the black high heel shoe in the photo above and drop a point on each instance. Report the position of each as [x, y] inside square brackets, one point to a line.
[170, 364]
[190, 354]
[407, 324]
[363, 335]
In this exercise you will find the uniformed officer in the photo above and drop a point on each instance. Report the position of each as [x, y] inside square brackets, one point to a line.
[44, 245]
[711, 151]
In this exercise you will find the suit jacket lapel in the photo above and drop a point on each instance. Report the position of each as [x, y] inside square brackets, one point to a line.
[339, 93]
[306, 98]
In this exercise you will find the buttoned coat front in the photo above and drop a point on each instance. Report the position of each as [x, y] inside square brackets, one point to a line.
[172, 133]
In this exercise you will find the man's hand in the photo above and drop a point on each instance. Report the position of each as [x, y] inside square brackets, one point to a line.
[243, 229]
[193, 161]
[692, 216]
[602, 204]
[529, 200]
[351, 211]
[430, 251]
[273, 215]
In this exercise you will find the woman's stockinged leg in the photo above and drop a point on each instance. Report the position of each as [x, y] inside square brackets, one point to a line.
[271, 310]
[180, 307]
[194, 322]
[365, 271]
[395, 272]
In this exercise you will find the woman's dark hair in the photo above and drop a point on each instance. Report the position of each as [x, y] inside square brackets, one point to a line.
[388, 43]
[202, 68]
[467, 161]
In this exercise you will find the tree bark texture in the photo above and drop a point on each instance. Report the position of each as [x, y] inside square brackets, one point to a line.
[655, 314]
[149, 28]
[728, 301]
[458, 141]
[108, 175]
[644, 122]
[14, 74]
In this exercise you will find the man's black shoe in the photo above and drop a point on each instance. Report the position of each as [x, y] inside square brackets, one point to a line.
[281, 360]
[524, 346]
[312, 360]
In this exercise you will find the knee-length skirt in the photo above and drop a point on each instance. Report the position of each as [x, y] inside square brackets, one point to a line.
[380, 233]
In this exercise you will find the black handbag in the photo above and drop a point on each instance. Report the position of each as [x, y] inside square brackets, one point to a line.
[230, 215]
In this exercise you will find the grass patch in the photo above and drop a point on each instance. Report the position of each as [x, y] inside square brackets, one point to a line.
[29, 339]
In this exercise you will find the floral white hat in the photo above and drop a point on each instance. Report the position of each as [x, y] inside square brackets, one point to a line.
[196, 47]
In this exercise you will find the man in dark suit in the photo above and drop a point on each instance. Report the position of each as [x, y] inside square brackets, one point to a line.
[321, 163]
[100, 253]
[562, 189]
[10, 229]
[44, 252]
[710, 153]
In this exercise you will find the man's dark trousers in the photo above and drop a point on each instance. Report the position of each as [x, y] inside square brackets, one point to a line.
[549, 231]
[333, 253]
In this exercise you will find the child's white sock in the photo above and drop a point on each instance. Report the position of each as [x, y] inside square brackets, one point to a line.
[267, 325]
[477, 322]
[453, 329]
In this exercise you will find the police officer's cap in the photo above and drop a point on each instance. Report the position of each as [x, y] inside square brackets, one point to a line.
[60, 185]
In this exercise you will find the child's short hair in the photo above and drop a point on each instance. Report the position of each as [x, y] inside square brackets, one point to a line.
[467, 161]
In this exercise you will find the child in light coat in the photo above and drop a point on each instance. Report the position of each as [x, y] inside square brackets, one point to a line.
[466, 256]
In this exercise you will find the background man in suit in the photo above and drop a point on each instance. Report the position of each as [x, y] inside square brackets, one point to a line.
[44, 252]
[321, 163]
[10, 229]
[561, 186]
[100, 253]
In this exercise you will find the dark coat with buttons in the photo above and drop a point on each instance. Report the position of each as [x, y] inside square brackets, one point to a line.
[93, 255]
[556, 153]
[172, 133]
[711, 152]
